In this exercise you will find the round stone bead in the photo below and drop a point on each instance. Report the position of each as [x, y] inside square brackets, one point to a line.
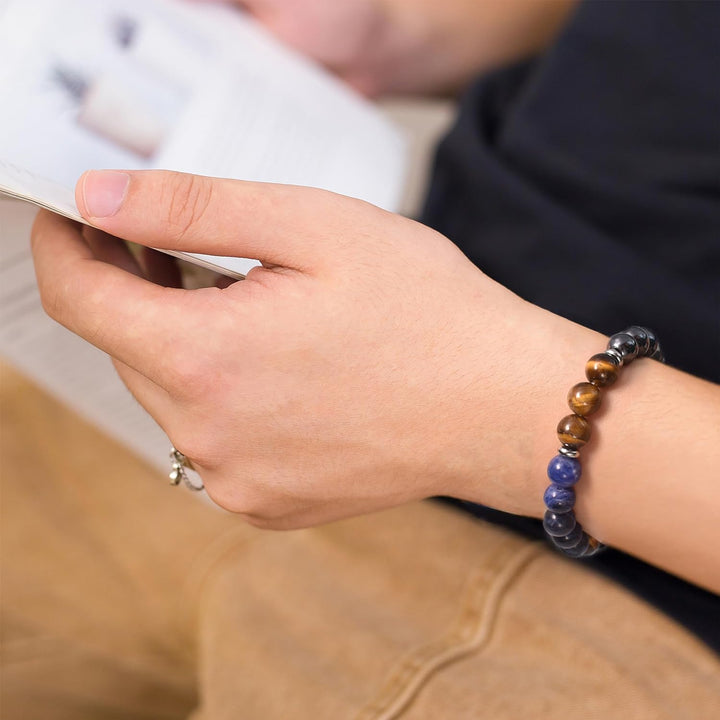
[571, 539]
[625, 344]
[581, 549]
[652, 344]
[573, 430]
[641, 338]
[564, 471]
[594, 547]
[584, 398]
[559, 499]
[558, 524]
[602, 369]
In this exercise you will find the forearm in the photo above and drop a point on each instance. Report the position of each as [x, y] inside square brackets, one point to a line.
[652, 475]
[454, 41]
[411, 46]
[650, 472]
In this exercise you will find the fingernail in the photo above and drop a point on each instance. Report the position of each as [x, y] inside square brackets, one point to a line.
[104, 192]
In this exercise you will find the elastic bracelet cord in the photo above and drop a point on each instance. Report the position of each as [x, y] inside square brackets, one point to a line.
[573, 431]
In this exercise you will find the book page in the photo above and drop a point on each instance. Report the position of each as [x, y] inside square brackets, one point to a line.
[141, 84]
[17, 182]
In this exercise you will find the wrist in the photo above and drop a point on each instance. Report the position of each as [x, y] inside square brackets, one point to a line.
[519, 396]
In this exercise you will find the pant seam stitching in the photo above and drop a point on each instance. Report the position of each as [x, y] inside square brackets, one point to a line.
[471, 632]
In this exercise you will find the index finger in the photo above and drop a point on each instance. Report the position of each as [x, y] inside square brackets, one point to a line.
[131, 319]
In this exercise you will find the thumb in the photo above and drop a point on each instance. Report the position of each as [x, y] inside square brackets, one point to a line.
[277, 224]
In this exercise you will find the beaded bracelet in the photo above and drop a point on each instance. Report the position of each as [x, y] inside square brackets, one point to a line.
[573, 431]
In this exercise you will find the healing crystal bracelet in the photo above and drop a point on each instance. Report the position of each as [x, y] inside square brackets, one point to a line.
[573, 431]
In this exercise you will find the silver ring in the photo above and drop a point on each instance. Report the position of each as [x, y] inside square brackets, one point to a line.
[178, 473]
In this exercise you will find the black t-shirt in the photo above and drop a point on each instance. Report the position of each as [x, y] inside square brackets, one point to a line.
[588, 182]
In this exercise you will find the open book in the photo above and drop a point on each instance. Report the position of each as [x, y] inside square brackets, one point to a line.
[141, 84]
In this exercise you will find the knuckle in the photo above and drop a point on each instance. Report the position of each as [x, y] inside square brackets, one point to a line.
[188, 198]
[249, 504]
[227, 497]
[198, 445]
[253, 504]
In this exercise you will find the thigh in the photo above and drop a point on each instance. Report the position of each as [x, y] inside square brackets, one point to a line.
[125, 598]
[99, 560]
[423, 613]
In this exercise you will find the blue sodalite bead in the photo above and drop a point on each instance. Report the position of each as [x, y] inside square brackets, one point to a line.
[571, 539]
[559, 499]
[564, 471]
[558, 524]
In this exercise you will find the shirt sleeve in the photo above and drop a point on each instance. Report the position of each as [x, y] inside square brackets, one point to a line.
[588, 180]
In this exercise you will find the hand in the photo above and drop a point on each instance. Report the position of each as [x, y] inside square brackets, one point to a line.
[410, 46]
[368, 364]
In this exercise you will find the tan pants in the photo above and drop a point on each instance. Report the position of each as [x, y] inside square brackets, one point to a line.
[126, 598]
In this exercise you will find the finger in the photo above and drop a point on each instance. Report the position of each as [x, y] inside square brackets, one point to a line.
[295, 227]
[155, 400]
[136, 321]
[109, 249]
[223, 281]
[162, 269]
[175, 418]
[158, 267]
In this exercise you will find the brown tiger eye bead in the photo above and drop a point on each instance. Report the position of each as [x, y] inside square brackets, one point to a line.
[584, 398]
[602, 369]
[573, 430]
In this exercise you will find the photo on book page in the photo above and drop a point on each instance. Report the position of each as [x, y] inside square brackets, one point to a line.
[143, 84]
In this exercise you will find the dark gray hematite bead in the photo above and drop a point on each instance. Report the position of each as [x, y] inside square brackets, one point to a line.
[559, 499]
[594, 548]
[558, 524]
[571, 539]
[625, 344]
[658, 354]
[653, 343]
[580, 549]
[641, 338]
